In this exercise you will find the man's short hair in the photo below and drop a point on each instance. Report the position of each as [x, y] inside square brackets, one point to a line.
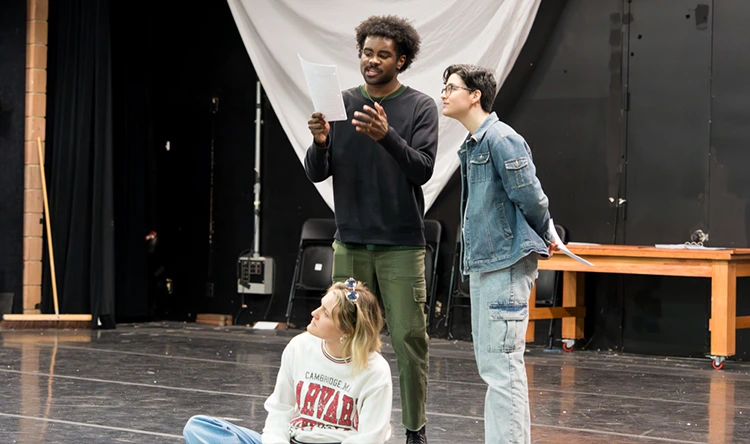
[476, 78]
[399, 30]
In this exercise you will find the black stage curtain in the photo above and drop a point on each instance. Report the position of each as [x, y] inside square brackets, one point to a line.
[12, 100]
[79, 160]
[137, 268]
[547, 17]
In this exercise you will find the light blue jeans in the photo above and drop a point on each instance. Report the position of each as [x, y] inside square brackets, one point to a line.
[207, 430]
[499, 317]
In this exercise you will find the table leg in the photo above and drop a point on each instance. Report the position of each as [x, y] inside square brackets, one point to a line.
[723, 308]
[573, 296]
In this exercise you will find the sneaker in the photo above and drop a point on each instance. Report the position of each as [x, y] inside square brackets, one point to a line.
[417, 437]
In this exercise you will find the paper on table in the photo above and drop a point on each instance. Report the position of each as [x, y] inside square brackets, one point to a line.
[562, 246]
[265, 325]
[325, 92]
[689, 247]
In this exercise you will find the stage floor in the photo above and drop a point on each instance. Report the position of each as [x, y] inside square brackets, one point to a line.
[140, 383]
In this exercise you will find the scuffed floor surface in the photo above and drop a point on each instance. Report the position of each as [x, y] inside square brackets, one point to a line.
[140, 384]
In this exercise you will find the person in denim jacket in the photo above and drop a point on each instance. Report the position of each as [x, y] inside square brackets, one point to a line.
[504, 230]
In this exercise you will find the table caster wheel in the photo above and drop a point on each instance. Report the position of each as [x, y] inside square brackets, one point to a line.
[568, 344]
[718, 363]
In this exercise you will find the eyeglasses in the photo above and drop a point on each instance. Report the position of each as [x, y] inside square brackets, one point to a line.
[449, 88]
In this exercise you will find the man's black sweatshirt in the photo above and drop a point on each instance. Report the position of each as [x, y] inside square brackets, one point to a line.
[377, 186]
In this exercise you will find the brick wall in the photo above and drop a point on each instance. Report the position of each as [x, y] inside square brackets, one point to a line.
[36, 104]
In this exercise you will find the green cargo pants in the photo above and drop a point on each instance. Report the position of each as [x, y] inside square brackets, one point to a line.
[396, 276]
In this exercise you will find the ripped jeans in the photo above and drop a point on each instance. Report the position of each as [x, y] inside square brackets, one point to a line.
[499, 317]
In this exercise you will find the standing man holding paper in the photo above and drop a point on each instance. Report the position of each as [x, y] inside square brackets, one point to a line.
[504, 230]
[379, 159]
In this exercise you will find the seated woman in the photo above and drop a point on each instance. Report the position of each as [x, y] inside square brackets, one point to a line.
[333, 385]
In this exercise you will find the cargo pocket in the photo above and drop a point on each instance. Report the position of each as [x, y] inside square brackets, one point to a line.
[507, 327]
[418, 319]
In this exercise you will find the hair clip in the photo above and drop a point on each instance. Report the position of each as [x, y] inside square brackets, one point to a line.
[351, 284]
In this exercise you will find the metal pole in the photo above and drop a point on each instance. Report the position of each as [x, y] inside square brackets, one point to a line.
[256, 202]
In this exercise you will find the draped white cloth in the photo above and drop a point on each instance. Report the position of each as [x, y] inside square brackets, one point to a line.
[489, 33]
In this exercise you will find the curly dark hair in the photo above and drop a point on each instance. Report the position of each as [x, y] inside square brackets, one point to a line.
[399, 30]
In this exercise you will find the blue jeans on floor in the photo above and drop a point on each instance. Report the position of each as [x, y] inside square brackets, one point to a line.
[499, 317]
[207, 430]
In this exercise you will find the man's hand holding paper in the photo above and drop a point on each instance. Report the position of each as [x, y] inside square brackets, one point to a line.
[319, 128]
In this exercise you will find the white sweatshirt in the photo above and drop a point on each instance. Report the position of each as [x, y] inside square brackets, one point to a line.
[317, 400]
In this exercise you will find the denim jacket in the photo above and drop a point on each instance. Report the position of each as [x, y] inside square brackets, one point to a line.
[504, 211]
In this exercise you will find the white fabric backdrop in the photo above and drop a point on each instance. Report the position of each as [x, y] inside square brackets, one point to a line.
[490, 33]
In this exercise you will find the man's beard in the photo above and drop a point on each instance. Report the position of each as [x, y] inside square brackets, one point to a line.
[381, 79]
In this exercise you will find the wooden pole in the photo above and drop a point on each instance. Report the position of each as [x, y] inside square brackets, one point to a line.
[49, 229]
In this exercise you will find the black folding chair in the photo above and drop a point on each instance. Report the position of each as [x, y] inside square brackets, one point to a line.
[314, 265]
[548, 286]
[548, 280]
[433, 233]
[458, 292]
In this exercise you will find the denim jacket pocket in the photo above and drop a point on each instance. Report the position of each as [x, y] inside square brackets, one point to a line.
[502, 220]
[518, 172]
[479, 165]
[507, 327]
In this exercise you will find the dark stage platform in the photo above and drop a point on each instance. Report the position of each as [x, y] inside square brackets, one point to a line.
[140, 384]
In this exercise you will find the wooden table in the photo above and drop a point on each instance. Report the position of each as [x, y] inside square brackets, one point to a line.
[722, 266]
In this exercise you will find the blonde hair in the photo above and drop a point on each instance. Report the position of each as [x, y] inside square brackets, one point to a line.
[360, 320]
